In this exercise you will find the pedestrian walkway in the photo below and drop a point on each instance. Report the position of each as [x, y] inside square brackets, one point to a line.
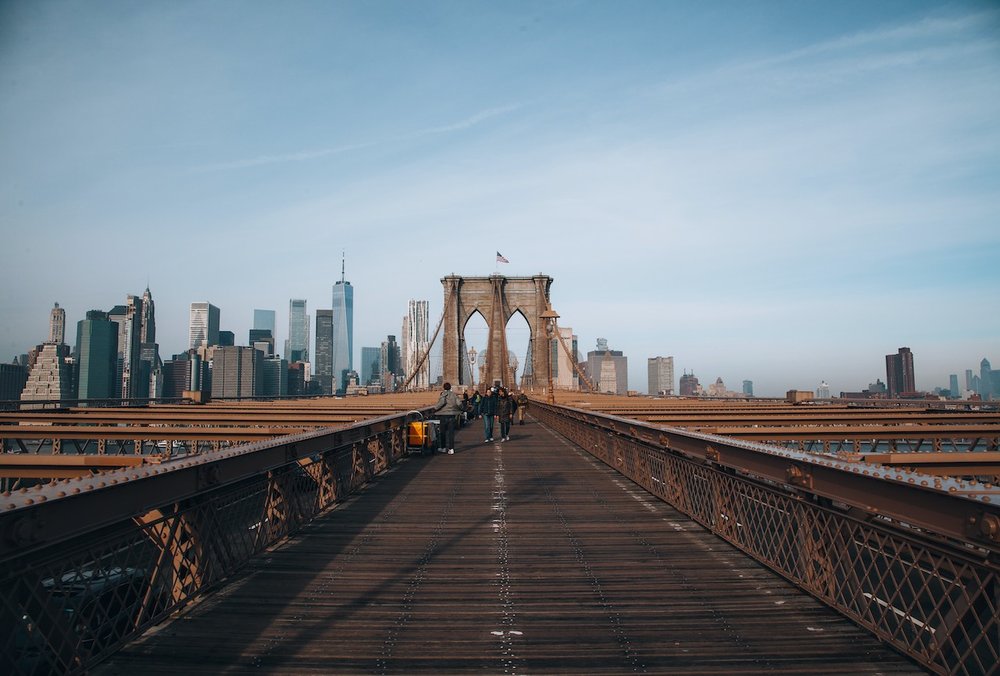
[526, 556]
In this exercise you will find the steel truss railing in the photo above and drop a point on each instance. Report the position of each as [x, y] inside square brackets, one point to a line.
[923, 576]
[87, 564]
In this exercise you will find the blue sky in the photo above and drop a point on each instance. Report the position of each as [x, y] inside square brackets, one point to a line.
[776, 191]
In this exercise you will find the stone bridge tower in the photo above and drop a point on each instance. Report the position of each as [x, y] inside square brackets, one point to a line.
[496, 298]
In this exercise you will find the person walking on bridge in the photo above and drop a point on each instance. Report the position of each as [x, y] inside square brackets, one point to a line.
[448, 409]
[477, 400]
[488, 409]
[505, 413]
[522, 403]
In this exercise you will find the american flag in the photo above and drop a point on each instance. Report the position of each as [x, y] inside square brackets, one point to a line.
[501, 259]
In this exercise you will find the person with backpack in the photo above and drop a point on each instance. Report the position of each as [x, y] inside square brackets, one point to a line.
[448, 408]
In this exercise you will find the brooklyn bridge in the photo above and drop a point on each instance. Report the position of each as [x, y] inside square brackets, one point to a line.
[607, 535]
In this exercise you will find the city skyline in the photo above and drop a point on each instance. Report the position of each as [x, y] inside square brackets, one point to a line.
[635, 370]
[776, 192]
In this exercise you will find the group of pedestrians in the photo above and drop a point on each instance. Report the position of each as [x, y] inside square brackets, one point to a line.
[497, 408]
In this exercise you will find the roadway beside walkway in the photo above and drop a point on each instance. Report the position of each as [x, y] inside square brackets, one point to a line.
[525, 556]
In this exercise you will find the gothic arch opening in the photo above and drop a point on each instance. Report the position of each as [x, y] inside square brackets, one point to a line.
[475, 338]
[518, 333]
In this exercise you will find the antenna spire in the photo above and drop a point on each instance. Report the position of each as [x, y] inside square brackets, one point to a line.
[343, 257]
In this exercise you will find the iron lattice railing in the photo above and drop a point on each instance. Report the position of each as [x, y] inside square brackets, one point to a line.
[934, 600]
[68, 600]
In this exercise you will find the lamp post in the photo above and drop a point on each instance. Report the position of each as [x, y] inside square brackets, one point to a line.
[550, 316]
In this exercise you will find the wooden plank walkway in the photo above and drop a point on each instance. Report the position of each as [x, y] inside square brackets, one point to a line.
[520, 557]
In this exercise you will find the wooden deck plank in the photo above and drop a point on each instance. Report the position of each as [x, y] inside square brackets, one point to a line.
[520, 557]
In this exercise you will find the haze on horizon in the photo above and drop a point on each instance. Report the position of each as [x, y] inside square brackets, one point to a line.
[783, 192]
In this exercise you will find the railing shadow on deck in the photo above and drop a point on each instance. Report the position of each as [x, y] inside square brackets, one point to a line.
[87, 565]
[380, 502]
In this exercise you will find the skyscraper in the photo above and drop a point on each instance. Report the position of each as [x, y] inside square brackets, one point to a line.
[415, 343]
[343, 330]
[297, 344]
[203, 328]
[370, 364]
[389, 358]
[57, 326]
[130, 383]
[661, 375]
[324, 350]
[96, 356]
[264, 319]
[823, 391]
[985, 378]
[237, 372]
[899, 372]
[953, 386]
[147, 324]
[149, 352]
[748, 388]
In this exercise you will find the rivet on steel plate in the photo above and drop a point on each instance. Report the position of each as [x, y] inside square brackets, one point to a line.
[989, 527]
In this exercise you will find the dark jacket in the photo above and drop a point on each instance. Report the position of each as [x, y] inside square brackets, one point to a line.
[505, 408]
[488, 406]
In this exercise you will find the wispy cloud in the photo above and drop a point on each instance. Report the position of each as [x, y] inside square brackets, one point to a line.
[300, 156]
[922, 42]
[927, 29]
[319, 153]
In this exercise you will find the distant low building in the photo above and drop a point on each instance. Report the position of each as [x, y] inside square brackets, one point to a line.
[12, 380]
[51, 375]
[297, 379]
[263, 340]
[660, 375]
[798, 396]
[719, 389]
[608, 369]
[689, 385]
[236, 372]
[275, 378]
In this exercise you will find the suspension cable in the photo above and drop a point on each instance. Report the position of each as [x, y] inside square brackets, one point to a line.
[572, 360]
